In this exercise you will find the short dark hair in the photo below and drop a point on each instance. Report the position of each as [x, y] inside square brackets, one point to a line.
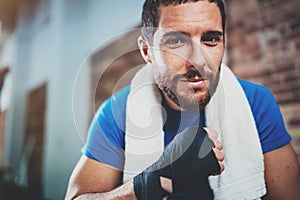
[150, 15]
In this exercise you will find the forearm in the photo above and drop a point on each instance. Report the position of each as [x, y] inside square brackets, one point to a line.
[125, 191]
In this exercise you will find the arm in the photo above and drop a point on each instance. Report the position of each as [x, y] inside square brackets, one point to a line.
[123, 192]
[94, 180]
[282, 174]
[90, 176]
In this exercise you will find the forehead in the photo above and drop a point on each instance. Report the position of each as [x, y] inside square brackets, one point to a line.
[200, 14]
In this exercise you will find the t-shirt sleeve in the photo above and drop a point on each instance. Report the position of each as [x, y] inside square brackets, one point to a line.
[105, 142]
[268, 117]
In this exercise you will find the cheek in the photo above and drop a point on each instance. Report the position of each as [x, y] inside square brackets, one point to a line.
[215, 59]
[171, 59]
[218, 55]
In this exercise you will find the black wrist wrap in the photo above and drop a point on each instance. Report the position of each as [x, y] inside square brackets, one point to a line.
[147, 186]
[188, 160]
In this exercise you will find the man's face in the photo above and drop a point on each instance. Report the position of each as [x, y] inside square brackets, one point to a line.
[187, 52]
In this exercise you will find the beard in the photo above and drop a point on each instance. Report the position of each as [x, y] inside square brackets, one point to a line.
[185, 97]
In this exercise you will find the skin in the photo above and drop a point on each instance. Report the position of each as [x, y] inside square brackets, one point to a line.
[200, 48]
[282, 174]
[187, 42]
[95, 180]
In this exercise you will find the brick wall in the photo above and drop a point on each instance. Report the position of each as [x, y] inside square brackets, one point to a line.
[263, 46]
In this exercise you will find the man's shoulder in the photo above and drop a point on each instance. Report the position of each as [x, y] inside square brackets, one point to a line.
[251, 86]
[118, 99]
[113, 108]
[122, 95]
[254, 91]
[260, 98]
[267, 116]
[109, 119]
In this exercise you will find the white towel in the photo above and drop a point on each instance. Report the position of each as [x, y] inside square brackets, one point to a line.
[228, 113]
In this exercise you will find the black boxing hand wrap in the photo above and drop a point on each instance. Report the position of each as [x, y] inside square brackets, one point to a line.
[147, 185]
[188, 160]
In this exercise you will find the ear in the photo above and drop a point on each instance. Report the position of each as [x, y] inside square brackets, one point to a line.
[144, 49]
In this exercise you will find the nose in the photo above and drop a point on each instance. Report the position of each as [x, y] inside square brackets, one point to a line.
[197, 58]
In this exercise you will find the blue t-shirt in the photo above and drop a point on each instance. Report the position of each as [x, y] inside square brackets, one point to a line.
[107, 131]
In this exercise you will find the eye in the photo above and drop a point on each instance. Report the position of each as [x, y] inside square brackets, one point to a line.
[174, 42]
[211, 40]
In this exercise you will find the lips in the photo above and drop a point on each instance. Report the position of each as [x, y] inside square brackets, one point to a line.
[196, 82]
[195, 79]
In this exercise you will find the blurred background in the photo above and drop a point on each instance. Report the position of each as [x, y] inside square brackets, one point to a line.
[59, 59]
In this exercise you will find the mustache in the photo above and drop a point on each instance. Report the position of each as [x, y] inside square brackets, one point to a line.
[193, 73]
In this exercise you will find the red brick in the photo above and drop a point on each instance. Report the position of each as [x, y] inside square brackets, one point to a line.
[263, 46]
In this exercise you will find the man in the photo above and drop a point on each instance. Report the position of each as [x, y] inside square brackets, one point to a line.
[184, 55]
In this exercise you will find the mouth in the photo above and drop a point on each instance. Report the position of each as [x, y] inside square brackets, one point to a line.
[194, 80]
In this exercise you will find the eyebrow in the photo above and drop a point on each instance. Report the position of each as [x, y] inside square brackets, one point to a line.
[219, 33]
[172, 33]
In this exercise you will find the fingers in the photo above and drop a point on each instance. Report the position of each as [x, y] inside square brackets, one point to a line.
[213, 135]
[220, 157]
[218, 145]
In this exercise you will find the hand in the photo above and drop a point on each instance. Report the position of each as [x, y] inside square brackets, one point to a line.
[188, 160]
[166, 183]
[213, 135]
